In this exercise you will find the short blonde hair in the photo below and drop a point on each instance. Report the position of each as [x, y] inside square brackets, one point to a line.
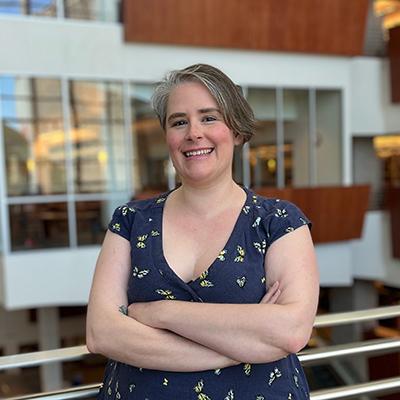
[235, 109]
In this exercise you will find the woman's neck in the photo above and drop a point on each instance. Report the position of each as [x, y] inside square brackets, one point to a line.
[210, 200]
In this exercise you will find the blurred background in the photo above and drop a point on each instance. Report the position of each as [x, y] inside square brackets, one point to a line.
[78, 137]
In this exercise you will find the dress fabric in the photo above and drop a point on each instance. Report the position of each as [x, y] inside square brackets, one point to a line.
[236, 276]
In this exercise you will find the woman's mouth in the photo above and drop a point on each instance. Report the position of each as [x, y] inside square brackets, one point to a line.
[200, 152]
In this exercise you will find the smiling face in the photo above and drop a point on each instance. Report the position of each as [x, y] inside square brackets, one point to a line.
[200, 143]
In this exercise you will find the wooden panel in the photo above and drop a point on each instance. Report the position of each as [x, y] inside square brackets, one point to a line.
[392, 201]
[310, 26]
[337, 212]
[394, 57]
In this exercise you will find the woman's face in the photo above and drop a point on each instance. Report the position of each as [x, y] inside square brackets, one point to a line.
[200, 143]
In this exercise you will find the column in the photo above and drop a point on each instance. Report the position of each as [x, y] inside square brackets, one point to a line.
[49, 338]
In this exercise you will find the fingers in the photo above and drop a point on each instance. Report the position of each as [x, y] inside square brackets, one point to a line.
[275, 297]
[272, 295]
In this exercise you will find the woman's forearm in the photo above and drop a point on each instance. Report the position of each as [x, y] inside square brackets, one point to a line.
[128, 341]
[252, 333]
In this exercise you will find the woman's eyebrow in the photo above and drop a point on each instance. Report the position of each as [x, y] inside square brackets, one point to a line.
[176, 115]
[201, 111]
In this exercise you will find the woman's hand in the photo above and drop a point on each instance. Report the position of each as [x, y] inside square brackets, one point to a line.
[147, 313]
[272, 294]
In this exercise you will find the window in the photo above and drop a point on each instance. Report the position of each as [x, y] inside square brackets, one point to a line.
[34, 138]
[99, 151]
[263, 151]
[151, 168]
[62, 186]
[29, 7]
[296, 132]
[328, 146]
[99, 10]
[35, 226]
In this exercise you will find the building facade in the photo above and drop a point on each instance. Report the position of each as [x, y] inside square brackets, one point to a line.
[78, 137]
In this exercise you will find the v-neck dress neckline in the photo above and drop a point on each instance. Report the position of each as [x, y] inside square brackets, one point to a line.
[238, 226]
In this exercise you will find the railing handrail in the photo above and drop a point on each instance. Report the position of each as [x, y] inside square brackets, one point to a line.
[76, 392]
[43, 357]
[306, 356]
[77, 352]
[380, 346]
[351, 317]
[383, 386]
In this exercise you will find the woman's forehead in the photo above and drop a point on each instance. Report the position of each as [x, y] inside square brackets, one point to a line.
[190, 95]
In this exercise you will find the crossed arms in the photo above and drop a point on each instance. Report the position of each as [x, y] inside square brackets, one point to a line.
[158, 335]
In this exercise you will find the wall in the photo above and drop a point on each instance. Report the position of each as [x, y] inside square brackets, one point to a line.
[371, 256]
[371, 109]
[51, 277]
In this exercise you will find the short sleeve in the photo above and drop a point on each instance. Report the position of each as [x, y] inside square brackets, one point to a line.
[122, 221]
[284, 217]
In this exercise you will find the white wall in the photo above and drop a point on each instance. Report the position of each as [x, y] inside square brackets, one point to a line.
[51, 47]
[371, 109]
[51, 277]
[372, 255]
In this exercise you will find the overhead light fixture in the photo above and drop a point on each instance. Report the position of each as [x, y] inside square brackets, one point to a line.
[389, 11]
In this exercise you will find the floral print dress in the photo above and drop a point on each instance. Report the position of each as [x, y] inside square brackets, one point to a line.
[237, 275]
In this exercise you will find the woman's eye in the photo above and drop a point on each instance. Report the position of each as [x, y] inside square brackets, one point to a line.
[209, 118]
[179, 122]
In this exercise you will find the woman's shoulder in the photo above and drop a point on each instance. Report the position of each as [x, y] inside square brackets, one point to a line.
[265, 206]
[144, 204]
[275, 217]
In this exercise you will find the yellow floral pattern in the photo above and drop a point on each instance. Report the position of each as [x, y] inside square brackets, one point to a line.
[240, 254]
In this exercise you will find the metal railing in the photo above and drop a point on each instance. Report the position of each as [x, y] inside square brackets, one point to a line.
[307, 357]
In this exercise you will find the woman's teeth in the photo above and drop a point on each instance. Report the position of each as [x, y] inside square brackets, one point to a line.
[197, 152]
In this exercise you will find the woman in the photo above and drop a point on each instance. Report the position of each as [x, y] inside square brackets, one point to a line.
[190, 269]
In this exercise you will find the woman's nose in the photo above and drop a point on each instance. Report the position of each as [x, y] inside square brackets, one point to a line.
[194, 131]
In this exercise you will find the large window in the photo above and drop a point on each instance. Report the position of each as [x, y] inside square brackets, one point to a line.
[75, 149]
[66, 160]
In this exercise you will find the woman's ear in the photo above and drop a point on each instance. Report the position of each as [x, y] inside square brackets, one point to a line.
[238, 139]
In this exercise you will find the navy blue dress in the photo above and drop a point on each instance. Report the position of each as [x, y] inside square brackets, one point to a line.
[236, 276]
